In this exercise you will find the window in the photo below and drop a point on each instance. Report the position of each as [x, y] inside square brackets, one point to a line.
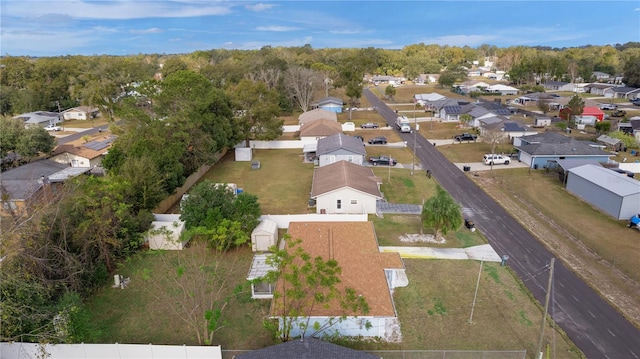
[354, 201]
[339, 204]
[350, 158]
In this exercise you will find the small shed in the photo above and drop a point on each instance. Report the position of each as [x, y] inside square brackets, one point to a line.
[244, 154]
[542, 121]
[613, 143]
[265, 235]
[165, 232]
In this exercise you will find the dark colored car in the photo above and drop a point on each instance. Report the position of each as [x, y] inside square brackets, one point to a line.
[465, 137]
[369, 125]
[378, 141]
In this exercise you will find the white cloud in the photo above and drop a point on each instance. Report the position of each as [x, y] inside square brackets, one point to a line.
[114, 9]
[259, 7]
[153, 30]
[461, 40]
[342, 32]
[43, 43]
[276, 28]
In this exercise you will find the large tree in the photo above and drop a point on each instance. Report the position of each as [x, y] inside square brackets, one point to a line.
[575, 108]
[302, 84]
[256, 111]
[632, 72]
[441, 213]
[34, 141]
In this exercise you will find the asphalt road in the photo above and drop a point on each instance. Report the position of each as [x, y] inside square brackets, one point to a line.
[591, 323]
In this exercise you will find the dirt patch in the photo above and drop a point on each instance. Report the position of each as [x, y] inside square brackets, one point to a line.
[618, 289]
[421, 238]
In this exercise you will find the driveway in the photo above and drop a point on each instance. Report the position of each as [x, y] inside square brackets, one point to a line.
[597, 328]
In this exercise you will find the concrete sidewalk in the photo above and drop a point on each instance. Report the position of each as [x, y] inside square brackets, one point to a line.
[479, 253]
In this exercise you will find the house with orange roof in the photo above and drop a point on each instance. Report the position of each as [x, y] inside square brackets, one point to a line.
[317, 114]
[345, 187]
[370, 273]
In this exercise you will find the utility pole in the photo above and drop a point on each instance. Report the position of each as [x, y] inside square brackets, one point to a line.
[476, 294]
[546, 308]
[415, 133]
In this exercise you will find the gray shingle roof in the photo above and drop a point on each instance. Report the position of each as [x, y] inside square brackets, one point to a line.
[343, 174]
[571, 148]
[308, 348]
[607, 179]
[340, 141]
[22, 182]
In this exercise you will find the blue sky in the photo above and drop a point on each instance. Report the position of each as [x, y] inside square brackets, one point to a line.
[121, 27]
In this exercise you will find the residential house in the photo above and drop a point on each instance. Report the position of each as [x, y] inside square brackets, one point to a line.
[427, 79]
[89, 154]
[345, 187]
[451, 113]
[597, 89]
[612, 192]
[425, 98]
[305, 347]
[631, 128]
[80, 113]
[33, 183]
[340, 147]
[533, 97]
[497, 75]
[503, 90]
[390, 80]
[622, 92]
[332, 104]
[313, 131]
[544, 149]
[558, 86]
[509, 130]
[317, 114]
[601, 76]
[369, 272]
[40, 118]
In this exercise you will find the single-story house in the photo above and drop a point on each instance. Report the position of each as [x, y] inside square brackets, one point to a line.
[542, 121]
[544, 149]
[503, 90]
[613, 193]
[622, 92]
[32, 183]
[40, 118]
[340, 147]
[165, 232]
[589, 114]
[345, 187]
[451, 113]
[305, 347]
[80, 113]
[332, 104]
[264, 236]
[497, 75]
[313, 131]
[597, 89]
[424, 98]
[426, 79]
[369, 272]
[558, 86]
[600, 76]
[316, 114]
[89, 154]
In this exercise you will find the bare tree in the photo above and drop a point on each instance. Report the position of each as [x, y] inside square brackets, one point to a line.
[270, 76]
[493, 137]
[302, 83]
[196, 284]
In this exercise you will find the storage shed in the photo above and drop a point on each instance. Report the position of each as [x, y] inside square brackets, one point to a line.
[612, 192]
[165, 232]
[264, 236]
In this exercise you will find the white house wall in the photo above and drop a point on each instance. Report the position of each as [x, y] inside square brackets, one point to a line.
[352, 327]
[335, 157]
[366, 203]
[75, 160]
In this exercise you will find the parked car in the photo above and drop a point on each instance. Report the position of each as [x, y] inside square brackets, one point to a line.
[494, 159]
[378, 141]
[636, 101]
[53, 127]
[608, 106]
[465, 137]
[369, 125]
[382, 160]
[619, 113]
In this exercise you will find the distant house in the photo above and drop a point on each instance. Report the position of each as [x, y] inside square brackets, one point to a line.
[332, 104]
[612, 192]
[451, 113]
[601, 76]
[89, 154]
[345, 187]
[544, 149]
[40, 118]
[369, 272]
[313, 131]
[503, 90]
[631, 128]
[316, 114]
[340, 147]
[306, 347]
[558, 86]
[33, 183]
[422, 99]
[597, 89]
[80, 113]
[427, 79]
[622, 92]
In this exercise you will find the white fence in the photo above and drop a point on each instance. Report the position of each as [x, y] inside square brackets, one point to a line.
[276, 145]
[283, 220]
[18, 350]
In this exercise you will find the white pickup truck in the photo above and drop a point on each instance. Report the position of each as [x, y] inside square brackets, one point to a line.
[402, 122]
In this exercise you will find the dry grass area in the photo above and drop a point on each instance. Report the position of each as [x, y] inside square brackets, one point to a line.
[601, 250]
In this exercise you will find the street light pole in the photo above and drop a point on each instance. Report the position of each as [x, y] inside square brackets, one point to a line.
[415, 133]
